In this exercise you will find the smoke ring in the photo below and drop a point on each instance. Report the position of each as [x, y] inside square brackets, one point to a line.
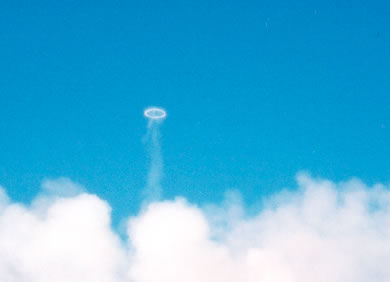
[155, 113]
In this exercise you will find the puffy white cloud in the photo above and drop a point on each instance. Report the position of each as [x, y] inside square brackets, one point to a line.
[321, 232]
[64, 239]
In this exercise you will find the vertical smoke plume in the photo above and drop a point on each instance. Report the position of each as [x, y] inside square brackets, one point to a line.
[153, 189]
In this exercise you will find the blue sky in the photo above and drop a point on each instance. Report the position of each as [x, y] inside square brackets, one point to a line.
[255, 92]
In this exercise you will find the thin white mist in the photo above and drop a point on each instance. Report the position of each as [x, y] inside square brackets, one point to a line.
[153, 189]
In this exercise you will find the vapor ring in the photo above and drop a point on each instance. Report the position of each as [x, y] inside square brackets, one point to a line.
[155, 113]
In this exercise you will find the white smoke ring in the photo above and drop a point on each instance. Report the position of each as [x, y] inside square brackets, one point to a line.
[155, 113]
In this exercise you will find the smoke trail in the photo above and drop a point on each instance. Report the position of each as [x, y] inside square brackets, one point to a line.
[153, 188]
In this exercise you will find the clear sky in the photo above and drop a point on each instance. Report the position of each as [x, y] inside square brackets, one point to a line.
[255, 92]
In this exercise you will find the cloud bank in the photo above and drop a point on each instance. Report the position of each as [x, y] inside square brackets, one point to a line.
[324, 231]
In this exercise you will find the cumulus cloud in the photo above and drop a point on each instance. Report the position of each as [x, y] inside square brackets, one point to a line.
[324, 231]
[68, 239]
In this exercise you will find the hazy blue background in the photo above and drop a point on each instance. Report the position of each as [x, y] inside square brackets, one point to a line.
[255, 92]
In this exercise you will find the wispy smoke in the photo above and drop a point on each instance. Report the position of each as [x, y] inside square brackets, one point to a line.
[324, 231]
[153, 188]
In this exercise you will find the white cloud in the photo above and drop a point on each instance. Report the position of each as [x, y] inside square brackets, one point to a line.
[67, 240]
[322, 232]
